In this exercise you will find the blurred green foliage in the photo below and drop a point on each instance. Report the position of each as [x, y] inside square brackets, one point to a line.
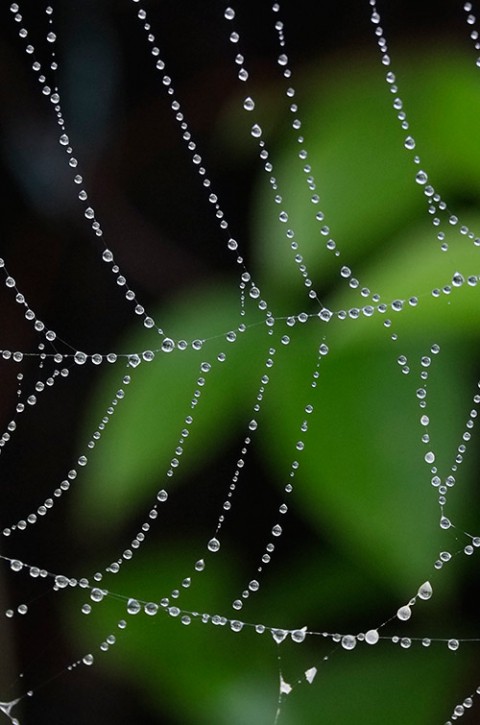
[363, 489]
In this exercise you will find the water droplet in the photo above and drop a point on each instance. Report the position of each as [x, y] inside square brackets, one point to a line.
[298, 635]
[372, 636]
[453, 644]
[404, 613]
[213, 545]
[88, 660]
[310, 674]
[61, 581]
[133, 606]
[151, 608]
[249, 104]
[421, 177]
[349, 641]
[279, 635]
[256, 131]
[96, 595]
[430, 457]
[168, 345]
[134, 360]
[425, 591]
[80, 358]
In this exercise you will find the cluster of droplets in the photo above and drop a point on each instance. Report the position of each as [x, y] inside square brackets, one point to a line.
[196, 157]
[277, 528]
[437, 207]
[442, 484]
[463, 707]
[51, 91]
[257, 133]
[471, 19]
[162, 494]
[72, 474]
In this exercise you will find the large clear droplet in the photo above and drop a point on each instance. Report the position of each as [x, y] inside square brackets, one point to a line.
[404, 613]
[421, 178]
[349, 641]
[279, 635]
[133, 606]
[167, 345]
[425, 591]
[213, 545]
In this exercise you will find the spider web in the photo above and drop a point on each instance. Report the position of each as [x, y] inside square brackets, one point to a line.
[244, 564]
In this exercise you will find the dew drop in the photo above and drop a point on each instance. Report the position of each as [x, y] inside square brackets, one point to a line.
[372, 636]
[421, 178]
[96, 595]
[133, 606]
[279, 635]
[249, 104]
[425, 591]
[61, 581]
[168, 345]
[349, 641]
[134, 360]
[298, 635]
[404, 613]
[213, 545]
